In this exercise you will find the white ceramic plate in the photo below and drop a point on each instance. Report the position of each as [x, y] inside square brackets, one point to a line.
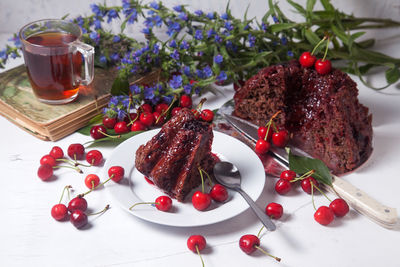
[134, 188]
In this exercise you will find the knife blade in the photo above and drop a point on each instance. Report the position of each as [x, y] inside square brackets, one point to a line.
[356, 198]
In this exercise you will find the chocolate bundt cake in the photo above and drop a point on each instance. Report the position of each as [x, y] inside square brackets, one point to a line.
[171, 159]
[322, 112]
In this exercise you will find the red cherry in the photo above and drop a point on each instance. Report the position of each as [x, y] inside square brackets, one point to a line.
[56, 152]
[324, 215]
[288, 175]
[121, 127]
[307, 59]
[92, 180]
[249, 243]
[138, 126]
[280, 138]
[162, 108]
[98, 131]
[323, 67]
[146, 108]
[157, 119]
[77, 203]
[262, 131]
[196, 241]
[200, 200]
[147, 118]
[109, 123]
[274, 210]
[163, 203]
[175, 111]
[116, 173]
[45, 172]
[219, 193]
[262, 146]
[196, 114]
[76, 151]
[132, 117]
[283, 186]
[185, 101]
[78, 219]
[339, 207]
[306, 184]
[94, 157]
[59, 212]
[47, 159]
[207, 115]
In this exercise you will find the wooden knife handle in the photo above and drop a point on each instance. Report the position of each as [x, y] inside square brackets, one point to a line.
[363, 203]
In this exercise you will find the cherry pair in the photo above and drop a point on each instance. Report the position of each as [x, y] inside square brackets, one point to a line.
[322, 66]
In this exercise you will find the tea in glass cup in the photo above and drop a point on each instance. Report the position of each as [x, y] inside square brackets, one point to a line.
[55, 58]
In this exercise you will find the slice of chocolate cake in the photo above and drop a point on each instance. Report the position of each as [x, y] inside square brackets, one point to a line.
[172, 158]
[322, 112]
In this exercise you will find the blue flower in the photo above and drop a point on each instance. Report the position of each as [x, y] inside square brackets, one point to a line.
[154, 5]
[13, 55]
[173, 28]
[186, 71]
[126, 6]
[178, 8]
[135, 89]
[95, 36]
[175, 55]
[156, 49]
[184, 45]
[200, 74]
[218, 39]
[207, 71]
[79, 21]
[125, 101]
[16, 40]
[264, 27]
[3, 54]
[276, 20]
[112, 14]
[183, 16]
[210, 33]
[157, 20]
[168, 99]
[116, 39]
[284, 40]
[290, 53]
[96, 10]
[198, 13]
[200, 53]
[173, 44]
[222, 76]
[252, 40]
[218, 59]
[114, 57]
[148, 93]
[210, 15]
[97, 24]
[121, 114]
[113, 101]
[103, 59]
[246, 27]
[188, 89]
[224, 16]
[133, 17]
[176, 81]
[198, 35]
[146, 30]
[229, 26]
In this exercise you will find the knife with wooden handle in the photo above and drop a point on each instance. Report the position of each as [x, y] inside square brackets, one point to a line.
[357, 199]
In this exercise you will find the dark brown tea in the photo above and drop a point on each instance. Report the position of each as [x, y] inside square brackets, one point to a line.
[53, 69]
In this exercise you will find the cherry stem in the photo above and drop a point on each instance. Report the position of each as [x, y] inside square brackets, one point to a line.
[266, 253]
[84, 194]
[316, 187]
[100, 212]
[208, 176]
[326, 50]
[140, 203]
[67, 187]
[304, 176]
[200, 105]
[259, 232]
[167, 110]
[312, 195]
[132, 121]
[74, 168]
[106, 134]
[319, 43]
[202, 180]
[66, 161]
[198, 252]
[84, 165]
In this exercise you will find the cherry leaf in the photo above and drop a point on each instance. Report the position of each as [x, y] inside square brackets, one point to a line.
[301, 165]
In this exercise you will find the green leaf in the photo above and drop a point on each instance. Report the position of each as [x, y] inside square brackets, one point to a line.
[123, 25]
[310, 5]
[120, 87]
[341, 35]
[298, 7]
[65, 16]
[327, 5]
[301, 165]
[312, 37]
[282, 26]
[113, 141]
[392, 75]
[85, 130]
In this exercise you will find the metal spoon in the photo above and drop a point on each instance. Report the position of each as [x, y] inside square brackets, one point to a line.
[229, 176]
